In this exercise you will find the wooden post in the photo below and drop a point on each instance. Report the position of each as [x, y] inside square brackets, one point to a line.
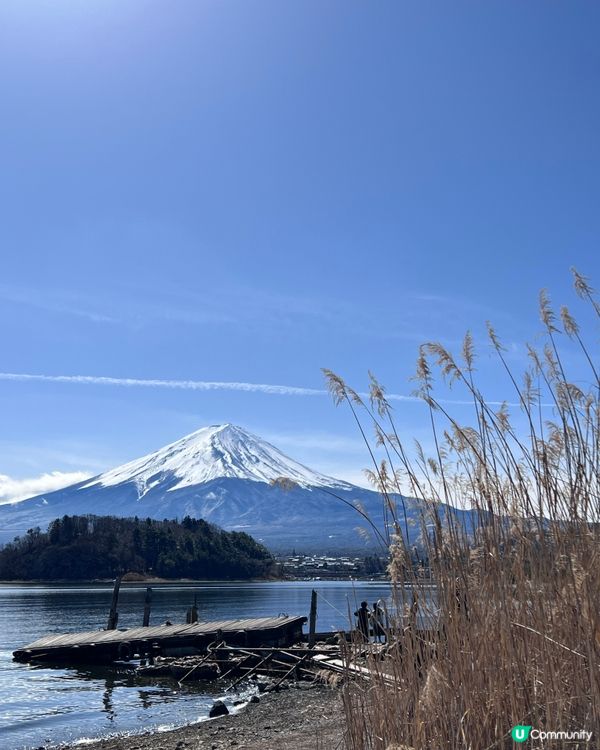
[113, 615]
[191, 615]
[147, 606]
[312, 625]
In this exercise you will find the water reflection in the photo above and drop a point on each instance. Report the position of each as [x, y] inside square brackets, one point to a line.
[145, 698]
[107, 701]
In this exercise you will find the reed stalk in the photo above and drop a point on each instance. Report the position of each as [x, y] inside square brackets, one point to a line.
[511, 633]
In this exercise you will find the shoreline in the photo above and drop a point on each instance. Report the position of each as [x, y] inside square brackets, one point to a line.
[303, 716]
[184, 581]
[134, 581]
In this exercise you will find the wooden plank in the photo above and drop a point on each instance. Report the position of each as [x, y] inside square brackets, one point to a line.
[162, 632]
[344, 667]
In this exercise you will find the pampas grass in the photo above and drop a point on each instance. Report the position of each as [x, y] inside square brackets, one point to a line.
[517, 635]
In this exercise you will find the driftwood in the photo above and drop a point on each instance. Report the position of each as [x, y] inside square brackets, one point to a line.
[243, 662]
[209, 652]
[294, 668]
[252, 671]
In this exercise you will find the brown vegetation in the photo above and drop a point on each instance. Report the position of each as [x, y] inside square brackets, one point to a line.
[518, 635]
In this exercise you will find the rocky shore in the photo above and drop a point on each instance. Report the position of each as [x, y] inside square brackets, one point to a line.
[303, 716]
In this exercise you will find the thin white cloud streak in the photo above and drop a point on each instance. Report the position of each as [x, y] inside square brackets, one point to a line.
[14, 490]
[52, 302]
[191, 385]
[213, 385]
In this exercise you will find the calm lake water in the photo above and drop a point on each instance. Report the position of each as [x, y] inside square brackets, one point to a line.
[41, 706]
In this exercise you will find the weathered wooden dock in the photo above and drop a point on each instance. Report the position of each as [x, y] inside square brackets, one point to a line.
[104, 646]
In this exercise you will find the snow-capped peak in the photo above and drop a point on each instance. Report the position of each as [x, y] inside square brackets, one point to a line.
[219, 451]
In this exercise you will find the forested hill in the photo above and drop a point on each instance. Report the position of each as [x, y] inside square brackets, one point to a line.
[91, 547]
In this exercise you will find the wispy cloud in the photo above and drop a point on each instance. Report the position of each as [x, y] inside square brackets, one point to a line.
[13, 490]
[30, 458]
[214, 385]
[48, 301]
[423, 316]
[316, 441]
[191, 385]
[332, 454]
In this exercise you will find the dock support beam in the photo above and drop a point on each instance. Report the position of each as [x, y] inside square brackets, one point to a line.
[113, 615]
[192, 613]
[312, 626]
[147, 606]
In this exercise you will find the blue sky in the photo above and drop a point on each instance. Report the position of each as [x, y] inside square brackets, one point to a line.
[250, 191]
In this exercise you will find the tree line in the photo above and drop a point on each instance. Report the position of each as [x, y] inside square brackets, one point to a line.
[92, 547]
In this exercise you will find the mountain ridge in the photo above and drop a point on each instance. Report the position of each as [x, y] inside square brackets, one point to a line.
[226, 476]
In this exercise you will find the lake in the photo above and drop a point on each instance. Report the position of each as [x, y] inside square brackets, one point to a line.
[40, 706]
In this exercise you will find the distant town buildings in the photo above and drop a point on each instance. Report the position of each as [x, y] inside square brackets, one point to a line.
[329, 567]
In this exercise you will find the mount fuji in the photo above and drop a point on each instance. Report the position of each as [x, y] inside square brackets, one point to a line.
[226, 476]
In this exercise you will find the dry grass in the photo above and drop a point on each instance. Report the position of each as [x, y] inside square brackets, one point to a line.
[518, 640]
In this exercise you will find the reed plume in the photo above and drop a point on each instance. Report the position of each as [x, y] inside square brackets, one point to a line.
[495, 621]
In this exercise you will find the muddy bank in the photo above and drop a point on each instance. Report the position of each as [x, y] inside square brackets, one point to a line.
[301, 717]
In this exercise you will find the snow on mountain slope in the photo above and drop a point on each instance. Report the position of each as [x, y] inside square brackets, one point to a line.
[216, 452]
[223, 474]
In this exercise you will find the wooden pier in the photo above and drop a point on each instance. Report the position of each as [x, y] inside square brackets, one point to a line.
[105, 646]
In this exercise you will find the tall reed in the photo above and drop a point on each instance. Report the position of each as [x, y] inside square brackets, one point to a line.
[516, 639]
